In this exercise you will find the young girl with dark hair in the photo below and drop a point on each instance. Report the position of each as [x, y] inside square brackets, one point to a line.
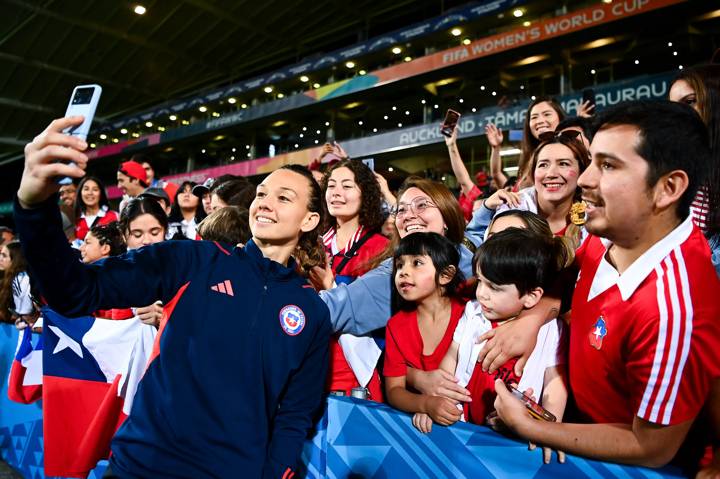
[91, 206]
[426, 279]
[186, 213]
[241, 361]
[143, 222]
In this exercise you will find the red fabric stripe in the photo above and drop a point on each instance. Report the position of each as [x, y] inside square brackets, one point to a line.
[666, 368]
[286, 474]
[654, 395]
[221, 248]
[221, 287]
[167, 313]
[228, 287]
[680, 324]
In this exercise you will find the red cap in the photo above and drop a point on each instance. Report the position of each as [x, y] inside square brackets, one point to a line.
[133, 169]
[481, 179]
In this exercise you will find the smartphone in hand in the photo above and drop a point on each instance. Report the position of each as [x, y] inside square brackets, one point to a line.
[534, 409]
[450, 123]
[83, 101]
[589, 97]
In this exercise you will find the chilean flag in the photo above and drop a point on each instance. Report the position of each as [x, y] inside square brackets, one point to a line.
[597, 333]
[91, 371]
[25, 381]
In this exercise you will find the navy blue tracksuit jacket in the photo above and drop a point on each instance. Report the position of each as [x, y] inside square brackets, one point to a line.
[243, 355]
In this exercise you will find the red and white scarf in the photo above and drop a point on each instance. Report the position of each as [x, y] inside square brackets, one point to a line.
[330, 240]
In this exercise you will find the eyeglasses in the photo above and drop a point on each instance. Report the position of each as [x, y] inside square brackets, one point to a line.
[551, 135]
[418, 206]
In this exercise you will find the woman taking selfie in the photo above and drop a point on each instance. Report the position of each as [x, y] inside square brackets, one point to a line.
[242, 358]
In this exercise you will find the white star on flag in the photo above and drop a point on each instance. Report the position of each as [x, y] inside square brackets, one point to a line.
[65, 341]
[598, 331]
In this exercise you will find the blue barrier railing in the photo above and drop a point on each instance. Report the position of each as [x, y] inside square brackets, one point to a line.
[354, 438]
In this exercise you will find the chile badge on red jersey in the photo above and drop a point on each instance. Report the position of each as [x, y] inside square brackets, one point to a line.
[597, 333]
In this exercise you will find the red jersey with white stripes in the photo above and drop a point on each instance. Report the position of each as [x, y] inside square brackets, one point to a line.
[645, 343]
[700, 208]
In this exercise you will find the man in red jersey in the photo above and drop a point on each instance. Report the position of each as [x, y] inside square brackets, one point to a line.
[644, 331]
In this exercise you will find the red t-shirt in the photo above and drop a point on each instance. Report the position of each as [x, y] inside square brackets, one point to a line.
[466, 201]
[404, 343]
[645, 343]
[482, 389]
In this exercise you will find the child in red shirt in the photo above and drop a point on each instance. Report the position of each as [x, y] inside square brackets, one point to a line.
[426, 277]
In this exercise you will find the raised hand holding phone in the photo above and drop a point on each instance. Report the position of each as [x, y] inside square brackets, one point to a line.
[42, 168]
[450, 123]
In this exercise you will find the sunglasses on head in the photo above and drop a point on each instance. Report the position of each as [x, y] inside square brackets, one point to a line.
[551, 135]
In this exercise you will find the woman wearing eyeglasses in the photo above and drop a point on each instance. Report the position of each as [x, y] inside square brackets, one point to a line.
[423, 205]
[352, 239]
[555, 167]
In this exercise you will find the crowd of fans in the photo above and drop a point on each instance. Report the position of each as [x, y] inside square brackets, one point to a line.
[589, 283]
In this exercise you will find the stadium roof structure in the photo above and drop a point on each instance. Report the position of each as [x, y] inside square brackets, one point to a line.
[174, 48]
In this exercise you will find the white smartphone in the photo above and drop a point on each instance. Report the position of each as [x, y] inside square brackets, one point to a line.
[83, 101]
[370, 163]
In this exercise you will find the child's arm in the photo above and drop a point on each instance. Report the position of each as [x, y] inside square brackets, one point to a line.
[555, 393]
[449, 362]
[437, 383]
[441, 410]
[554, 399]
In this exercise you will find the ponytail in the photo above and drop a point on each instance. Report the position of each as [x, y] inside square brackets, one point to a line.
[310, 251]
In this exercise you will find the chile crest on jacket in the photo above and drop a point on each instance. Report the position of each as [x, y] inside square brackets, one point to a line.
[292, 319]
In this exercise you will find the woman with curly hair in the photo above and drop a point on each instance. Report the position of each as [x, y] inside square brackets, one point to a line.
[352, 240]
